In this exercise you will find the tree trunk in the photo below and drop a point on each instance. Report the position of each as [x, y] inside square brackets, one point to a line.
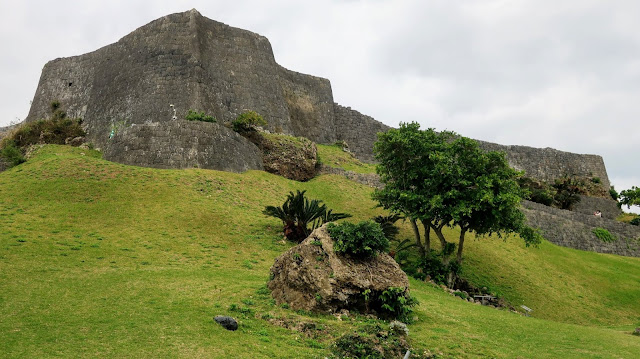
[438, 231]
[427, 237]
[416, 232]
[461, 244]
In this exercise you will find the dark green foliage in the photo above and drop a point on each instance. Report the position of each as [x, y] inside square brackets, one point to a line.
[301, 216]
[377, 345]
[613, 193]
[442, 179]
[635, 221]
[54, 130]
[538, 192]
[436, 266]
[630, 197]
[11, 154]
[199, 116]
[361, 240]
[604, 235]
[394, 303]
[387, 223]
[568, 191]
[596, 180]
[248, 121]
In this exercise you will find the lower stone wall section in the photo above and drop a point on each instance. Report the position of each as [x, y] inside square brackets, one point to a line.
[575, 230]
[367, 179]
[588, 205]
[183, 144]
[359, 131]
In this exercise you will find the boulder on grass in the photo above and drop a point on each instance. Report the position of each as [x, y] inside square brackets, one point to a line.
[311, 276]
[227, 323]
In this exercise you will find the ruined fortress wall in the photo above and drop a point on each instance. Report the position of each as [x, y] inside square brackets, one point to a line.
[309, 101]
[191, 62]
[575, 230]
[358, 131]
[607, 206]
[183, 144]
[196, 63]
[547, 164]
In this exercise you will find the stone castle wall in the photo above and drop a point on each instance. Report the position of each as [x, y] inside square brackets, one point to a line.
[547, 164]
[575, 230]
[196, 63]
[183, 144]
[358, 131]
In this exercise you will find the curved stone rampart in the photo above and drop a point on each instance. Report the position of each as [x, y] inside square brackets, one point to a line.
[183, 144]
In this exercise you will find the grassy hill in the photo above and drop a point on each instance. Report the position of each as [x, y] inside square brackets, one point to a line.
[99, 259]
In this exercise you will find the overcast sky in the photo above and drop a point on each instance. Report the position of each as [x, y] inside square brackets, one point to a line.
[562, 74]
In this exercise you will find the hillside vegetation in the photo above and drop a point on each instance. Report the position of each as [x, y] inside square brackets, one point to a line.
[99, 259]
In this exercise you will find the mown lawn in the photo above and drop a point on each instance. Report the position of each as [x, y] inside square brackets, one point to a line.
[104, 260]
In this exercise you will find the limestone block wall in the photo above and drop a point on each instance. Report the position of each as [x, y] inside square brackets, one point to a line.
[588, 205]
[309, 102]
[574, 230]
[183, 144]
[547, 164]
[358, 131]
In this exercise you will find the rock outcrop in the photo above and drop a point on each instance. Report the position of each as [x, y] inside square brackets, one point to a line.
[311, 276]
[290, 157]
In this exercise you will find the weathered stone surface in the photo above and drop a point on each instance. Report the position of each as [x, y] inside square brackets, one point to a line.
[227, 323]
[367, 179]
[358, 131]
[547, 164]
[588, 205]
[575, 230]
[74, 141]
[311, 276]
[291, 157]
[183, 144]
[192, 62]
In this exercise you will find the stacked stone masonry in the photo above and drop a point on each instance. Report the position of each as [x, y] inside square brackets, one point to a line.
[192, 62]
[184, 144]
[575, 230]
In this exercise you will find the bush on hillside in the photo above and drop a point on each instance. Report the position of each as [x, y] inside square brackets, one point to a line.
[361, 240]
[199, 116]
[55, 130]
[635, 221]
[247, 122]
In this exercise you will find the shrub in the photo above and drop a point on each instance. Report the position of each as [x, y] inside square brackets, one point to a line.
[394, 303]
[387, 223]
[604, 235]
[199, 116]
[613, 193]
[362, 240]
[568, 191]
[635, 221]
[55, 130]
[432, 265]
[11, 154]
[247, 121]
[596, 180]
[297, 213]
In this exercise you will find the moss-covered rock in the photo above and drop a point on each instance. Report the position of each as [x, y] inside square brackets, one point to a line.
[291, 157]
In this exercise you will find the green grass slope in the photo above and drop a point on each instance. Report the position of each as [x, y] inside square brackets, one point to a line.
[104, 260]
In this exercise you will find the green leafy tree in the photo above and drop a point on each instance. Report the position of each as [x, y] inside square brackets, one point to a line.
[300, 215]
[442, 179]
[247, 122]
[630, 197]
